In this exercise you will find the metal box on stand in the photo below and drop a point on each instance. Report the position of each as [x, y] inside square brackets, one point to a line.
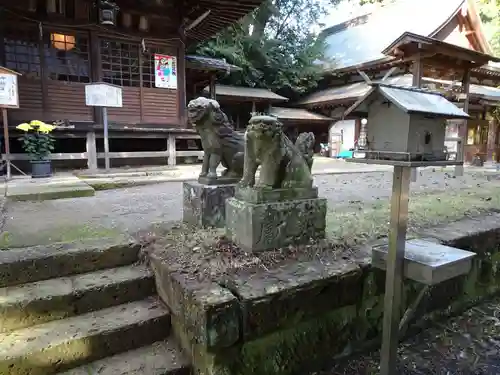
[406, 126]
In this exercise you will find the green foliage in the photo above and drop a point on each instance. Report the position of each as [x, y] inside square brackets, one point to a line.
[275, 46]
[37, 145]
[489, 11]
[364, 2]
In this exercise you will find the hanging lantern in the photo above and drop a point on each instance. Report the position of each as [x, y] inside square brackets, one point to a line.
[63, 42]
[107, 12]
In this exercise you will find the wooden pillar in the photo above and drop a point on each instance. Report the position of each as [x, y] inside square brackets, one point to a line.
[91, 149]
[491, 146]
[2, 37]
[141, 84]
[95, 71]
[172, 154]
[212, 87]
[181, 78]
[43, 67]
[254, 108]
[357, 129]
[417, 72]
[462, 127]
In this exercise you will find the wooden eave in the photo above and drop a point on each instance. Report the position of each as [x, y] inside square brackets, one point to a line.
[222, 14]
[410, 45]
[170, 17]
[240, 99]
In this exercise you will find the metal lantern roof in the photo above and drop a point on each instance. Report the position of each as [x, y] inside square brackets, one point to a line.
[411, 100]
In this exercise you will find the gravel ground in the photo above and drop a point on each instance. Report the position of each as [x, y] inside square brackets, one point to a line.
[468, 344]
[134, 209]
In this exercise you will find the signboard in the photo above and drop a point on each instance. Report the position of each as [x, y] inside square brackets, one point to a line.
[165, 71]
[103, 95]
[9, 97]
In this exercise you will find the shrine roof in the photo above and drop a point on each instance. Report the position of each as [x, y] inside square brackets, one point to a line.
[410, 100]
[298, 114]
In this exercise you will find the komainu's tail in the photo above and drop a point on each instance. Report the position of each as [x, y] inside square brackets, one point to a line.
[305, 144]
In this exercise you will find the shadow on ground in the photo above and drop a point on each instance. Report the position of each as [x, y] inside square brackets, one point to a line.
[468, 344]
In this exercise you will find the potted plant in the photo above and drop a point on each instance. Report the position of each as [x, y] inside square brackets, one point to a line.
[38, 144]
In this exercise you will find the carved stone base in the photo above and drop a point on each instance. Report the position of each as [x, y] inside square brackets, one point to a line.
[274, 224]
[204, 205]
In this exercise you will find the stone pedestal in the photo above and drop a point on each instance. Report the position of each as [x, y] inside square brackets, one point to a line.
[258, 220]
[204, 205]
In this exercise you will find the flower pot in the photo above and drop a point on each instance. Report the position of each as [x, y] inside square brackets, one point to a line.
[41, 168]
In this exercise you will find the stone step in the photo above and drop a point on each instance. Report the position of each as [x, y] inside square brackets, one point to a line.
[43, 301]
[161, 358]
[30, 264]
[61, 345]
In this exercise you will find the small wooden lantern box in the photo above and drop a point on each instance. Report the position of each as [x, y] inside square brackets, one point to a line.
[406, 125]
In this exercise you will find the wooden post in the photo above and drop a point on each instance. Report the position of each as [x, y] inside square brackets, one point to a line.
[417, 72]
[141, 84]
[106, 138]
[462, 128]
[395, 270]
[96, 70]
[172, 154]
[91, 149]
[254, 107]
[6, 140]
[2, 37]
[181, 78]
[212, 87]
[491, 145]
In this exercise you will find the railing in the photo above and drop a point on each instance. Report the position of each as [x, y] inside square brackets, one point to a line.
[171, 154]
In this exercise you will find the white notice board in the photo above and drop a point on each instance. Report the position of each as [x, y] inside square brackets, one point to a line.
[9, 97]
[103, 95]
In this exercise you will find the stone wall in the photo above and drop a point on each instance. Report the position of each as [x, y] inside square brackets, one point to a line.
[299, 316]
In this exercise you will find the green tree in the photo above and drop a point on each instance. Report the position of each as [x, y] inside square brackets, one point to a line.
[276, 46]
[489, 11]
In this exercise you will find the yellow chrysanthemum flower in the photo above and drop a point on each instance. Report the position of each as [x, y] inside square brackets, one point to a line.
[24, 127]
[37, 123]
[45, 128]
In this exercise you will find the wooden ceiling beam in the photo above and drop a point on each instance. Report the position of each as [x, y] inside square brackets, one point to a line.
[232, 3]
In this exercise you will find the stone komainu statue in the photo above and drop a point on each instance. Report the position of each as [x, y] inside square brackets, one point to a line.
[283, 164]
[221, 143]
[305, 144]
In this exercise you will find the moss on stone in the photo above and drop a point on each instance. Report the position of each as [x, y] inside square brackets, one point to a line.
[51, 195]
[288, 351]
[110, 185]
[68, 233]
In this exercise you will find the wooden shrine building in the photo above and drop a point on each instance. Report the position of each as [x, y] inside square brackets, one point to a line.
[240, 102]
[60, 45]
[406, 44]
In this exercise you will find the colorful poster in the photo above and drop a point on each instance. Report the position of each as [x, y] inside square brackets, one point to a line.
[165, 71]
